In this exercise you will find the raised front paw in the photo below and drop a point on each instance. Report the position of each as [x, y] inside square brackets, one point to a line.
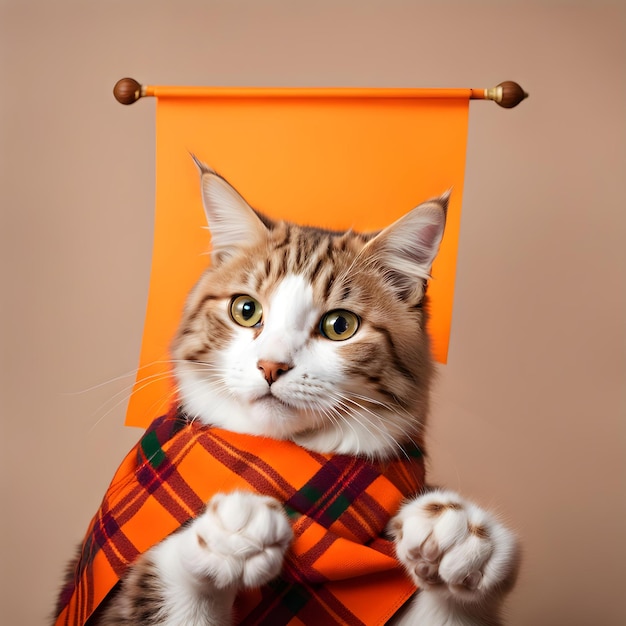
[239, 540]
[450, 545]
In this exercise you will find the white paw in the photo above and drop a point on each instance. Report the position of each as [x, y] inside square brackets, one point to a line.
[239, 540]
[450, 545]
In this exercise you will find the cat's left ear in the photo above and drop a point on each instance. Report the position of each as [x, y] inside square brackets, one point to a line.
[232, 221]
[406, 249]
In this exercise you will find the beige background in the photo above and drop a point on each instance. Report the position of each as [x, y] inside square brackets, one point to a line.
[529, 412]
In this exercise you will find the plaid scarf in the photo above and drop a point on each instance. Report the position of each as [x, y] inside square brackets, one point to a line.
[340, 569]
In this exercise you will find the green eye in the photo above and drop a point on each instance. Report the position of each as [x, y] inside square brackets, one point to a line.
[339, 325]
[246, 311]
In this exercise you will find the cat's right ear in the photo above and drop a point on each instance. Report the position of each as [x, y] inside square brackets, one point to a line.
[231, 220]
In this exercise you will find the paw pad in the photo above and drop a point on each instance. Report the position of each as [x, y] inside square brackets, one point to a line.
[446, 543]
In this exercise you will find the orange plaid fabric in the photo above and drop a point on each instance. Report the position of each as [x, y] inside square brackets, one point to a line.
[340, 570]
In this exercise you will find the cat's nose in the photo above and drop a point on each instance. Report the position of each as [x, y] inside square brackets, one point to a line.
[272, 370]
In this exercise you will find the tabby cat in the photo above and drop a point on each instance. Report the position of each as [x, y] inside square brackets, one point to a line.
[318, 337]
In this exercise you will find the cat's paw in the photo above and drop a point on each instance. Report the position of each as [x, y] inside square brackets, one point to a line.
[238, 541]
[451, 546]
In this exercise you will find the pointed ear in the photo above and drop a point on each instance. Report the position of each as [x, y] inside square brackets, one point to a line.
[406, 249]
[232, 221]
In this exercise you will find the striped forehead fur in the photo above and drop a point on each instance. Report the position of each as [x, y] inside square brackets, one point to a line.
[320, 256]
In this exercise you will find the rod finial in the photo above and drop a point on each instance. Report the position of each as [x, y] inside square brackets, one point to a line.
[512, 94]
[507, 94]
[127, 91]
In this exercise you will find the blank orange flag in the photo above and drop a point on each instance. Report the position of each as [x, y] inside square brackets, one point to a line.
[337, 158]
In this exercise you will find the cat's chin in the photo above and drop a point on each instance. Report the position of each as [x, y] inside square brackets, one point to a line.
[265, 415]
[271, 417]
[269, 409]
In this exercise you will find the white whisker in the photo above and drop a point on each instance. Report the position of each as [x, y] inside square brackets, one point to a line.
[369, 419]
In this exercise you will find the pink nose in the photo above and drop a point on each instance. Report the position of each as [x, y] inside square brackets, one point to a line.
[272, 370]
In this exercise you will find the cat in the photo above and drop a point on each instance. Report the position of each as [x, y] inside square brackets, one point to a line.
[316, 337]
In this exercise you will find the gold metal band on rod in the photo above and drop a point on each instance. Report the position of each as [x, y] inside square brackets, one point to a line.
[507, 94]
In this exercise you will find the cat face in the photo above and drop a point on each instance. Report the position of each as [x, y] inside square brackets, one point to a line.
[311, 335]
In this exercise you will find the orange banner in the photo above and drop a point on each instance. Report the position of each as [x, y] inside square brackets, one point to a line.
[337, 158]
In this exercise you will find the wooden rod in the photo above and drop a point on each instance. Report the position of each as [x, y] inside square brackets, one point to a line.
[507, 94]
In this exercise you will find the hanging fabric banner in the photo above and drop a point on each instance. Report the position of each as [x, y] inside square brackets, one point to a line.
[336, 158]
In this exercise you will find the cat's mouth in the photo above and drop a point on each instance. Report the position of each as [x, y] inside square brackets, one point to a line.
[271, 404]
[274, 417]
[272, 399]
